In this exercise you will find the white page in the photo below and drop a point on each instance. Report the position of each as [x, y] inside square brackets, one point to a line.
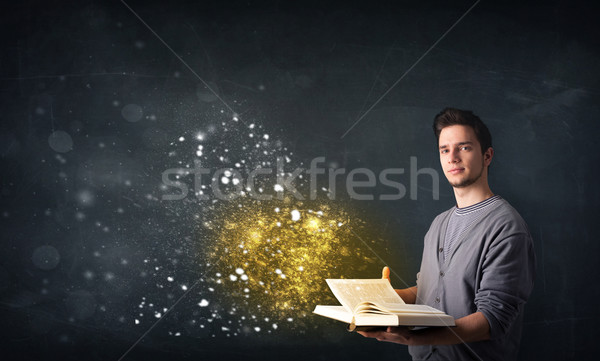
[352, 292]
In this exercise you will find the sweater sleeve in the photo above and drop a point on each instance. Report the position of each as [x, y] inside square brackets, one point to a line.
[506, 282]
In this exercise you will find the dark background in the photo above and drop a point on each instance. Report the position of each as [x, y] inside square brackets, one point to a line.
[306, 71]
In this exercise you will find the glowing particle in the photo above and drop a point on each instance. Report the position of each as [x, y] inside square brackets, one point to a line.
[199, 153]
[295, 215]
[246, 290]
[227, 173]
[244, 277]
[235, 181]
[239, 271]
[257, 329]
[170, 279]
[137, 322]
[312, 224]
[340, 224]
[203, 303]
[184, 287]
[225, 180]
[278, 188]
[181, 139]
[277, 210]
[251, 126]
[266, 136]
[233, 278]
[278, 271]
[300, 268]
[290, 319]
[157, 314]
[274, 326]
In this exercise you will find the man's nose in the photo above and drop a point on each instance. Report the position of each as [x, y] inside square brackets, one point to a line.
[453, 157]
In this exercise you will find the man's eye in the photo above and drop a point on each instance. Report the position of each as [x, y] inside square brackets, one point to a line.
[465, 148]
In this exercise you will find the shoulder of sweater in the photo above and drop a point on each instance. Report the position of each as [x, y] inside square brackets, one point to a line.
[503, 215]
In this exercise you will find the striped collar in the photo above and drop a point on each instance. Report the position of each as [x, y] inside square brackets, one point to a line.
[477, 206]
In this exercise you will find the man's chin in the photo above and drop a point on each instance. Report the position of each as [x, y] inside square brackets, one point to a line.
[463, 184]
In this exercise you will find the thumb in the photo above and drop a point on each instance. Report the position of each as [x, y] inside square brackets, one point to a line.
[385, 273]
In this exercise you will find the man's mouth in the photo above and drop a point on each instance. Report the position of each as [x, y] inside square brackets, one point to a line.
[456, 170]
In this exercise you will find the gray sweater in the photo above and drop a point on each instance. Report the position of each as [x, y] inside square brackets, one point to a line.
[490, 269]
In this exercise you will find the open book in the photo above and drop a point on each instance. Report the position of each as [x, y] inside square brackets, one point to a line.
[373, 302]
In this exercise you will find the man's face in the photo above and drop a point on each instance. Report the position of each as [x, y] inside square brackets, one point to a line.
[461, 158]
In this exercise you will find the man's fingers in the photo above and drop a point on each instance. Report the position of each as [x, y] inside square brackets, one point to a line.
[385, 273]
[371, 334]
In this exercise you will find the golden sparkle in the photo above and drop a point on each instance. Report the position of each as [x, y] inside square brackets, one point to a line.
[275, 259]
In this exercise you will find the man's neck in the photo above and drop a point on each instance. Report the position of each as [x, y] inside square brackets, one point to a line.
[472, 195]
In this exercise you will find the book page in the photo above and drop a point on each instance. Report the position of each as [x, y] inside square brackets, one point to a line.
[352, 292]
[370, 307]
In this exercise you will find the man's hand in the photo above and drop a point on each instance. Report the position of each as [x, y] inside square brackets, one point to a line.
[401, 335]
[385, 273]
[409, 295]
[471, 328]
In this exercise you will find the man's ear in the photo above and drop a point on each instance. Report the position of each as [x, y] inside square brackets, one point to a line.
[488, 155]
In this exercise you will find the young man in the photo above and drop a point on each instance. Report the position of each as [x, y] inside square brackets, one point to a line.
[478, 261]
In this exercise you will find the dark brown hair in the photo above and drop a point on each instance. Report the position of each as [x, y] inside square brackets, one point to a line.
[453, 116]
